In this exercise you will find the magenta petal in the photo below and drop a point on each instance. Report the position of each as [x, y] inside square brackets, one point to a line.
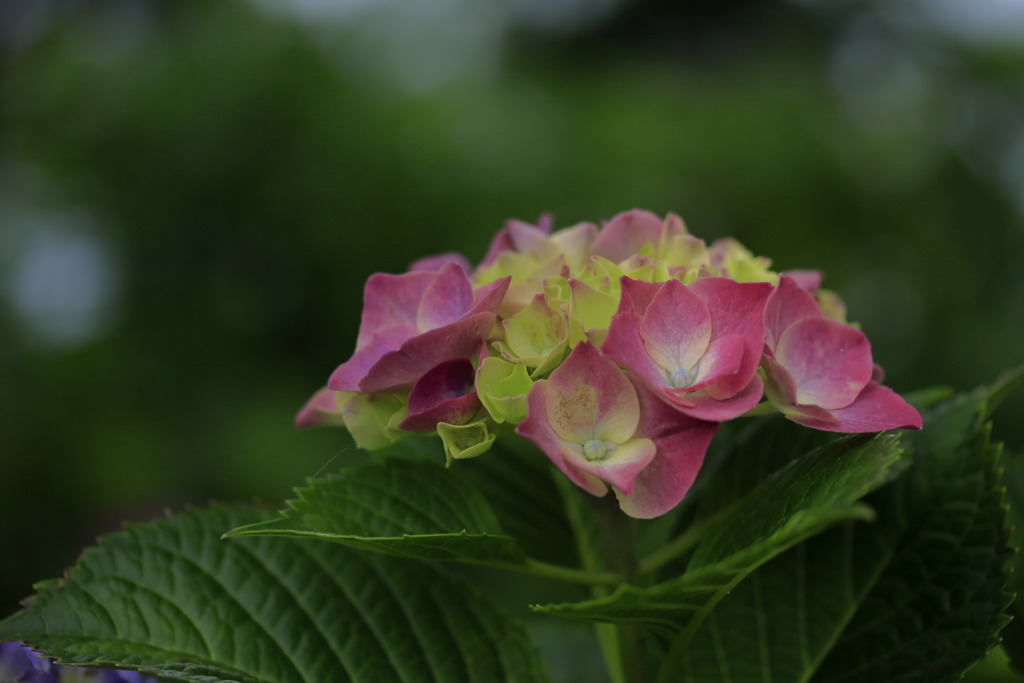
[348, 375]
[721, 365]
[703, 406]
[525, 238]
[622, 469]
[391, 301]
[830, 362]
[626, 233]
[661, 485]
[435, 263]
[321, 409]
[736, 308]
[876, 409]
[681, 443]
[443, 394]
[513, 237]
[448, 380]
[538, 430]
[446, 300]
[588, 397]
[501, 242]
[808, 280]
[624, 345]
[637, 295]
[487, 298]
[399, 369]
[786, 305]
[676, 328]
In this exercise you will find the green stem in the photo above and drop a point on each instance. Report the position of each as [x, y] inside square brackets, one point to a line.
[682, 543]
[568, 574]
[620, 556]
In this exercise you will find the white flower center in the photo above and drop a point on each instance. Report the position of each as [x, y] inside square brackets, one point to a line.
[681, 378]
[599, 450]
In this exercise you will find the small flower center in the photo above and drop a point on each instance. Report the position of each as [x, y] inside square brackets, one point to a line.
[683, 378]
[599, 450]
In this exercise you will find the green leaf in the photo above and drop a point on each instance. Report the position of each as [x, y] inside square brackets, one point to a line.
[401, 507]
[915, 596]
[519, 482]
[1013, 634]
[779, 623]
[940, 602]
[170, 598]
[801, 499]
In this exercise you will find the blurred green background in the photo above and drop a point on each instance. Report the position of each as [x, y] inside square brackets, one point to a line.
[192, 194]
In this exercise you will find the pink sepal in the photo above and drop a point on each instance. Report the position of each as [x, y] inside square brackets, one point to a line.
[681, 442]
[786, 305]
[445, 319]
[830, 363]
[626, 234]
[714, 328]
[807, 280]
[442, 394]
[517, 236]
[399, 369]
[876, 408]
[320, 410]
[435, 263]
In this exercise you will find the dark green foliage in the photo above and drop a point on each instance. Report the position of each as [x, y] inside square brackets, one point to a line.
[171, 598]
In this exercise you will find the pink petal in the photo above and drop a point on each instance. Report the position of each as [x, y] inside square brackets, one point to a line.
[435, 263]
[736, 309]
[489, 297]
[637, 295]
[876, 409]
[526, 238]
[676, 328]
[503, 240]
[537, 429]
[348, 375]
[390, 301]
[830, 363]
[446, 299]
[721, 364]
[626, 233]
[321, 409]
[786, 305]
[703, 406]
[443, 394]
[807, 280]
[621, 469]
[401, 368]
[588, 397]
[624, 345]
[681, 443]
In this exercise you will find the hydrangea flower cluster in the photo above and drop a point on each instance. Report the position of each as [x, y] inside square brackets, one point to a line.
[19, 664]
[617, 350]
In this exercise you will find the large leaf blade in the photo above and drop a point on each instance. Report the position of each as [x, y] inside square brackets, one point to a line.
[170, 599]
[915, 596]
[940, 602]
[798, 501]
[400, 507]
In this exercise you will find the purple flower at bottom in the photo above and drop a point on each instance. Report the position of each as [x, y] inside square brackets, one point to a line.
[20, 664]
